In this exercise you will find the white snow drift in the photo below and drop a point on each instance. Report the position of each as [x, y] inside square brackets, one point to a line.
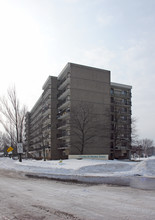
[87, 170]
[82, 167]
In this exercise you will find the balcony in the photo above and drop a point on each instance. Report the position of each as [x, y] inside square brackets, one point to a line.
[63, 146]
[64, 94]
[63, 125]
[46, 112]
[64, 83]
[46, 94]
[65, 115]
[63, 135]
[46, 122]
[64, 104]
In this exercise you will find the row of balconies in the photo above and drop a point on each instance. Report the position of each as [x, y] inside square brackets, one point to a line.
[64, 94]
[63, 114]
[64, 103]
[121, 94]
[46, 122]
[120, 118]
[63, 146]
[35, 129]
[64, 82]
[35, 142]
[64, 134]
[122, 136]
[35, 117]
[120, 102]
[46, 127]
[120, 110]
[46, 94]
[63, 124]
[119, 148]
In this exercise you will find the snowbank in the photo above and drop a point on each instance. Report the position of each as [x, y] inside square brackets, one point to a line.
[87, 170]
[83, 167]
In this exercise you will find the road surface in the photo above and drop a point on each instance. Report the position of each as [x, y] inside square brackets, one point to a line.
[23, 198]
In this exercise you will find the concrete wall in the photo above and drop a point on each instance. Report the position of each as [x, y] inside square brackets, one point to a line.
[92, 86]
[53, 102]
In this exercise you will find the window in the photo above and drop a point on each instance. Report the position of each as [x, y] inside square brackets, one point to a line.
[124, 118]
[112, 127]
[124, 92]
[124, 101]
[111, 145]
[112, 91]
[112, 99]
[112, 108]
[123, 109]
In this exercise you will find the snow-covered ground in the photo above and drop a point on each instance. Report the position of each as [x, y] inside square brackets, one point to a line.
[29, 198]
[134, 174]
[84, 167]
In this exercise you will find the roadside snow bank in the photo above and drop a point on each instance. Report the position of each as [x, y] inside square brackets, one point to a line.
[107, 168]
[145, 167]
[135, 174]
[84, 167]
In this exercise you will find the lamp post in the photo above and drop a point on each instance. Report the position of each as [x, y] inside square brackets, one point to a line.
[44, 152]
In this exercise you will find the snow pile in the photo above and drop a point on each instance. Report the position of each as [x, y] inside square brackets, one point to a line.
[107, 167]
[145, 167]
[85, 167]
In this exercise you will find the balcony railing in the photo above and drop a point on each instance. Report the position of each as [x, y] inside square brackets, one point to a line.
[64, 105]
[62, 125]
[63, 135]
[64, 83]
[121, 94]
[120, 102]
[63, 114]
[63, 95]
[63, 146]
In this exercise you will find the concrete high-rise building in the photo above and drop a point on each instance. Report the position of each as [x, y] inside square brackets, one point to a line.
[80, 112]
[120, 120]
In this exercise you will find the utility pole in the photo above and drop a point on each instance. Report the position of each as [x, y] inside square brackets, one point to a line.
[44, 152]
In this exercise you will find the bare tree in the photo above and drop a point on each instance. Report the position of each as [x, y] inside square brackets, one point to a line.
[12, 116]
[120, 126]
[146, 144]
[1, 141]
[134, 134]
[136, 150]
[83, 124]
[4, 142]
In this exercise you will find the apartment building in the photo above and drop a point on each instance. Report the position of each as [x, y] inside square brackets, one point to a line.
[77, 114]
[120, 120]
[41, 123]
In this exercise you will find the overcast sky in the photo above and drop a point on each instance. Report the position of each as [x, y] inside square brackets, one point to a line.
[38, 38]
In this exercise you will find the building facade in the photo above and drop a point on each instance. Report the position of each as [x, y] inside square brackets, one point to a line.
[80, 112]
[120, 120]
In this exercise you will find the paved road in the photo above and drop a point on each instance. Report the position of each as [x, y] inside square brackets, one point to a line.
[23, 198]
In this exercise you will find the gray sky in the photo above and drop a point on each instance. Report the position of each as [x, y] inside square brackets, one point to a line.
[38, 38]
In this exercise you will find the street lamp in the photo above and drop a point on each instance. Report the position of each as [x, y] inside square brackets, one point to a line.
[44, 152]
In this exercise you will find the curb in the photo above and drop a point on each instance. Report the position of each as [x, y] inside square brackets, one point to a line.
[143, 182]
[138, 182]
[115, 180]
